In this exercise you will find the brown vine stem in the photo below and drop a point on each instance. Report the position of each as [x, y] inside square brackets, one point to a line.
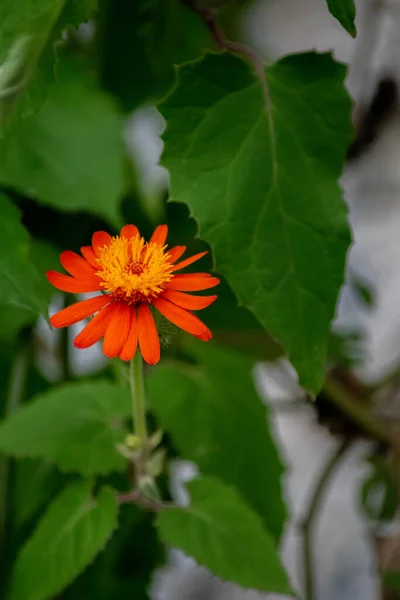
[358, 412]
[208, 15]
[312, 512]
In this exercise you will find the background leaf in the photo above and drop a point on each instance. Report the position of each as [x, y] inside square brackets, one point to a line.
[344, 11]
[287, 264]
[22, 18]
[41, 479]
[76, 12]
[140, 44]
[216, 419]
[21, 286]
[25, 28]
[43, 256]
[29, 31]
[378, 494]
[124, 570]
[221, 532]
[75, 426]
[73, 531]
[70, 154]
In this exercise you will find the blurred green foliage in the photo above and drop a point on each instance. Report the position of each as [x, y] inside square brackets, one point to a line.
[255, 186]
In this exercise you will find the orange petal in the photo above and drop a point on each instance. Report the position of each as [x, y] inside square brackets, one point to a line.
[187, 301]
[99, 240]
[81, 310]
[192, 282]
[77, 266]
[129, 231]
[189, 261]
[88, 253]
[176, 252]
[148, 336]
[96, 327]
[160, 235]
[69, 284]
[204, 337]
[130, 346]
[182, 318]
[117, 331]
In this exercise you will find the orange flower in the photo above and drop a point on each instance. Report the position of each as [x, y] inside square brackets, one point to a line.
[133, 275]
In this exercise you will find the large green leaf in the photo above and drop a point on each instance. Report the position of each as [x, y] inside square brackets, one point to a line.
[70, 154]
[28, 32]
[345, 12]
[75, 528]
[124, 571]
[21, 286]
[236, 327]
[76, 426]
[25, 17]
[41, 479]
[25, 28]
[216, 419]
[140, 44]
[232, 325]
[221, 532]
[262, 185]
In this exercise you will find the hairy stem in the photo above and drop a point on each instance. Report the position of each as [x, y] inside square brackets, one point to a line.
[312, 512]
[65, 346]
[136, 382]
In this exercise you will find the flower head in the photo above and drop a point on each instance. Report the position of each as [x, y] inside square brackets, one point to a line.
[131, 275]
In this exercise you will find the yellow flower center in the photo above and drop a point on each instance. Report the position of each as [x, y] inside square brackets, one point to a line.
[134, 271]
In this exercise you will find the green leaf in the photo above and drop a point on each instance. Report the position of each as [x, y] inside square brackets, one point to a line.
[125, 569]
[76, 12]
[345, 12]
[75, 528]
[43, 257]
[46, 157]
[20, 284]
[236, 327]
[41, 479]
[28, 33]
[25, 28]
[140, 43]
[231, 325]
[346, 348]
[216, 419]
[221, 532]
[378, 494]
[76, 426]
[262, 185]
[391, 580]
[363, 289]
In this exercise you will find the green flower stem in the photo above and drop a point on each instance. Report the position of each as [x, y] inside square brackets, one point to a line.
[136, 382]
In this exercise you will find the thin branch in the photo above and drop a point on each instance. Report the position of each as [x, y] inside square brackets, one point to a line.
[208, 16]
[312, 513]
[358, 412]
